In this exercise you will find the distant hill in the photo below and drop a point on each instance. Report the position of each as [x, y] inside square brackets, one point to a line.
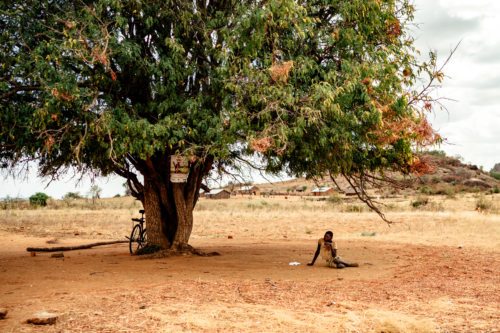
[449, 176]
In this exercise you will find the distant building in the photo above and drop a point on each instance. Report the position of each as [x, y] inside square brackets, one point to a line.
[322, 191]
[217, 194]
[250, 190]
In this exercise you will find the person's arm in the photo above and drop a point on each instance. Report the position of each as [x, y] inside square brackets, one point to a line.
[334, 250]
[315, 256]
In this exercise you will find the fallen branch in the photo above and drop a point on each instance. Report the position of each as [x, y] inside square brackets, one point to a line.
[71, 248]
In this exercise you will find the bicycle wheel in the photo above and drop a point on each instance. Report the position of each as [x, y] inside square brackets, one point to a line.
[144, 237]
[135, 241]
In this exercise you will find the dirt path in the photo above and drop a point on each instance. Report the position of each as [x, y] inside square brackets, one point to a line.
[252, 288]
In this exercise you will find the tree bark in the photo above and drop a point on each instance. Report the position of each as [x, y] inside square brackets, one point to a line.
[184, 217]
[156, 221]
[169, 206]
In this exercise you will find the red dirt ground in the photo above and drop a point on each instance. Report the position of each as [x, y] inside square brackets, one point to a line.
[251, 288]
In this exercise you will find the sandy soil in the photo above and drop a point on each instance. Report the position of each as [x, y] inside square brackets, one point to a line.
[251, 287]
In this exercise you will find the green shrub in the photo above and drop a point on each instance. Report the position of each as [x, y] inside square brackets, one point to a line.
[495, 175]
[420, 202]
[482, 204]
[39, 199]
[447, 190]
[72, 195]
[436, 153]
[425, 190]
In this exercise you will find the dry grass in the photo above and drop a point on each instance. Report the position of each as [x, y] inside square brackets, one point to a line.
[455, 223]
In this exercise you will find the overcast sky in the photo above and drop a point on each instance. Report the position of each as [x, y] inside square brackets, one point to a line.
[471, 124]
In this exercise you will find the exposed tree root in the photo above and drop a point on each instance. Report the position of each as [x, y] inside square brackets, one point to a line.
[180, 250]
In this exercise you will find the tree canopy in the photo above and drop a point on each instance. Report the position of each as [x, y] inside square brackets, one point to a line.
[309, 87]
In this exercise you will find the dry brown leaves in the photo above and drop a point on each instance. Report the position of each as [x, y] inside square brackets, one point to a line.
[61, 95]
[280, 71]
[261, 145]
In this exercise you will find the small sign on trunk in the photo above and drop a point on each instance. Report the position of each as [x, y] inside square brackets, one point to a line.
[179, 169]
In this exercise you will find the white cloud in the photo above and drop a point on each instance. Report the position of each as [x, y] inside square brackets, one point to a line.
[471, 123]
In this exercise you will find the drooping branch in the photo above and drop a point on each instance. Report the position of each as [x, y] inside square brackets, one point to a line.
[359, 188]
[133, 183]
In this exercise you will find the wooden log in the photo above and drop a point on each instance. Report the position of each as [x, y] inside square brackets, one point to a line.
[71, 248]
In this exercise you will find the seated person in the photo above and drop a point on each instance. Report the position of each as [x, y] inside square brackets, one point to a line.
[328, 249]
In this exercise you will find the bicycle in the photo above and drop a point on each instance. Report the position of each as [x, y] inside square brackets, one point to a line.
[138, 237]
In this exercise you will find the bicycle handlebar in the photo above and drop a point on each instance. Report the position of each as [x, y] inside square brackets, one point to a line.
[137, 220]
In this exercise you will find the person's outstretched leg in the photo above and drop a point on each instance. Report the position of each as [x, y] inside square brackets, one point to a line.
[342, 263]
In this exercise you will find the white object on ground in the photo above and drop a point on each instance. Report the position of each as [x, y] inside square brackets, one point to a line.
[294, 263]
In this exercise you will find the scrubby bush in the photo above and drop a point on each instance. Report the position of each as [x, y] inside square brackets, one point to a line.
[39, 199]
[420, 202]
[72, 195]
[439, 153]
[334, 199]
[483, 204]
[425, 190]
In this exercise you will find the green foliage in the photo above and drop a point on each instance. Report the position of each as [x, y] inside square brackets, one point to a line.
[119, 86]
[495, 175]
[483, 204]
[426, 190]
[439, 153]
[72, 195]
[39, 199]
[420, 202]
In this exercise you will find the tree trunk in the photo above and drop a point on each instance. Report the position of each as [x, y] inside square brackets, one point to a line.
[169, 206]
[156, 219]
[184, 217]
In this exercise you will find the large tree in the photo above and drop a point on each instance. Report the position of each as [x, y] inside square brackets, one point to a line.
[307, 87]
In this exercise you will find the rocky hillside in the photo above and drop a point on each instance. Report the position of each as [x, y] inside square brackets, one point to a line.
[449, 176]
